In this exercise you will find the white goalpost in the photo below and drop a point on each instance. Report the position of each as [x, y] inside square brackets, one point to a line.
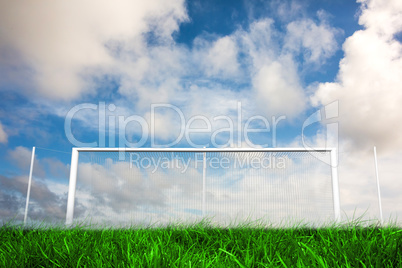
[225, 184]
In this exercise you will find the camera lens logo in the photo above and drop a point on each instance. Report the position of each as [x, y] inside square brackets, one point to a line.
[329, 111]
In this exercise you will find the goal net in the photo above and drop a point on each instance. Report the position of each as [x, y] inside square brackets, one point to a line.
[131, 187]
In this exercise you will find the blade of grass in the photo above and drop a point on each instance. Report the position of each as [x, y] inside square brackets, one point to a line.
[316, 257]
[234, 257]
[65, 243]
[79, 260]
[280, 259]
[44, 254]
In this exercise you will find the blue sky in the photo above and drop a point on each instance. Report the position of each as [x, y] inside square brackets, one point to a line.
[202, 60]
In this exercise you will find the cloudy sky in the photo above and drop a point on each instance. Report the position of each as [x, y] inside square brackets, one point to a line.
[196, 73]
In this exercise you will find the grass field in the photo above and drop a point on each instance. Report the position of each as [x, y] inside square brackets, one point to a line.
[201, 246]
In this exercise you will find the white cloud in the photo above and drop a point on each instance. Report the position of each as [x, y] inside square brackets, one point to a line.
[368, 84]
[21, 156]
[154, 77]
[383, 17]
[167, 124]
[278, 90]
[45, 203]
[273, 71]
[61, 43]
[260, 42]
[44, 167]
[288, 10]
[3, 134]
[317, 42]
[220, 58]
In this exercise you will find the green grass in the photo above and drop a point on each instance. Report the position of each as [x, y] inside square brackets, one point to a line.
[201, 246]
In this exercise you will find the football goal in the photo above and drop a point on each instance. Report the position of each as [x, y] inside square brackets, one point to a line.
[118, 186]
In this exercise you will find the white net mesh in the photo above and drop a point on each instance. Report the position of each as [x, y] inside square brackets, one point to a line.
[143, 188]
